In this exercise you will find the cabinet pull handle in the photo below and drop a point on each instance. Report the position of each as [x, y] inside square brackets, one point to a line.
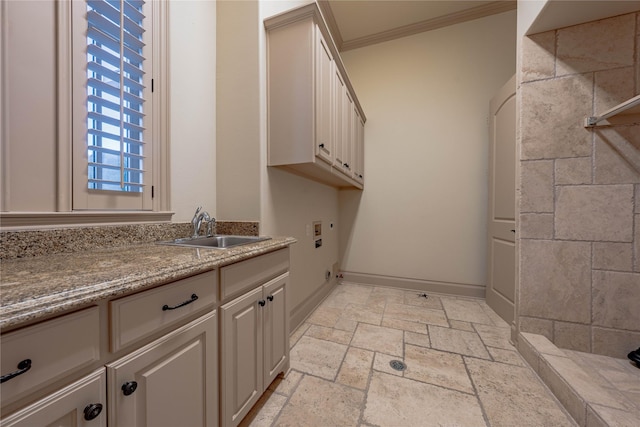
[270, 297]
[262, 302]
[23, 367]
[92, 410]
[193, 298]
[321, 146]
[346, 165]
[129, 387]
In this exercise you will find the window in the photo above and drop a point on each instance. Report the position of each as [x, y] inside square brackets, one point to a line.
[113, 104]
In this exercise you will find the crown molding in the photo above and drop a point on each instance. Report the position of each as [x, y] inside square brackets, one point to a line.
[429, 24]
[330, 20]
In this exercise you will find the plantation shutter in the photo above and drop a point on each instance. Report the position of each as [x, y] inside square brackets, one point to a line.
[115, 95]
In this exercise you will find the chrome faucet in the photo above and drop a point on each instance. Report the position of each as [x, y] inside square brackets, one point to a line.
[196, 222]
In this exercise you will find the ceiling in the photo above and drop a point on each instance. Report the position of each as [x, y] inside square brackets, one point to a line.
[358, 23]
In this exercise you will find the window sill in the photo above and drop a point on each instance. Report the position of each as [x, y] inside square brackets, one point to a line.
[32, 220]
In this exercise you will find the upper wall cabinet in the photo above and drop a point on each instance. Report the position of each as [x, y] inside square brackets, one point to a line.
[315, 122]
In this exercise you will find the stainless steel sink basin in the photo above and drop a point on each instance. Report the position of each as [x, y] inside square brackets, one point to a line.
[217, 241]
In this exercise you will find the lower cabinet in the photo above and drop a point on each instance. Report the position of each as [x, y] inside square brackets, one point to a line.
[80, 404]
[170, 382]
[254, 347]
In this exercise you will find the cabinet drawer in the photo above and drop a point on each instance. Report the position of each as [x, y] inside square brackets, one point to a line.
[55, 347]
[140, 315]
[244, 275]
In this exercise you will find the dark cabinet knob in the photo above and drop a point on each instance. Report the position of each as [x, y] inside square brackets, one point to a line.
[321, 145]
[129, 387]
[270, 297]
[262, 302]
[92, 410]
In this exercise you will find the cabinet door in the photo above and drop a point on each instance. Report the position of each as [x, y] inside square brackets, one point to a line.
[175, 380]
[343, 164]
[339, 137]
[67, 406]
[323, 93]
[276, 328]
[242, 361]
[358, 150]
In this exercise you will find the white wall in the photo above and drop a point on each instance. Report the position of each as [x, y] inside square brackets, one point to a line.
[422, 214]
[192, 38]
[28, 106]
[238, 118]
[285, 204]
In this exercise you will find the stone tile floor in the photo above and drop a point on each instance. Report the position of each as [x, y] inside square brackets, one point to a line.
[461, 369]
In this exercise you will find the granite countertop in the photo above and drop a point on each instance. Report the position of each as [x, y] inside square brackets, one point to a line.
[40, 287]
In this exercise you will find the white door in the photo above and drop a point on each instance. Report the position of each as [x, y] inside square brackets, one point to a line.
[501, 259]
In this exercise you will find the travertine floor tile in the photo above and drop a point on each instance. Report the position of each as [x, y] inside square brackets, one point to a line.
[298, 333]
[317, 402]
[346, 325]
[455, 341]
[405, 325]
[356, 368]
[348, 293]
[466, 310]
[437, 368]
[416, 298]
[317, 357]
[395, 401]
[329, 334]
[362, 313]
[341, 375]
[494, 336]
[382, 363]
[514, 396]
[325, 316]
[421, 340]
[591, 388]
[415, 314]
[511, 357]
[377, 338]
[463, 326]
[614, 417]
[286, 385]
[265, 411]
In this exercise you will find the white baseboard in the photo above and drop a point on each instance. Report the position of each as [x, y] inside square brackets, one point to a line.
[448, 288]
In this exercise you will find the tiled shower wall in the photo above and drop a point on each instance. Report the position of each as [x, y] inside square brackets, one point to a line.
[580, 188]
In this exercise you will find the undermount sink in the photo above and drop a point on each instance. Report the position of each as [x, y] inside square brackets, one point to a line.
[217, 241]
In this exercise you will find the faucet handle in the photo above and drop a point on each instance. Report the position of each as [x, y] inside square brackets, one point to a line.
[210, 223]
[197, 211]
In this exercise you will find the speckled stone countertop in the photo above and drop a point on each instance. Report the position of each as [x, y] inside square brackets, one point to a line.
[38, 287]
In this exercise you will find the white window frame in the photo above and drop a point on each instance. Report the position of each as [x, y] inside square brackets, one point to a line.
[84, 198]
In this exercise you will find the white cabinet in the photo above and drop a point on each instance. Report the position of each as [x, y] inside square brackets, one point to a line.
[254, 329]
[358, 149]
[169, 382]
[38, 355]
[80, 404]
[324, 98]
[255, 347]
[310, 100]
